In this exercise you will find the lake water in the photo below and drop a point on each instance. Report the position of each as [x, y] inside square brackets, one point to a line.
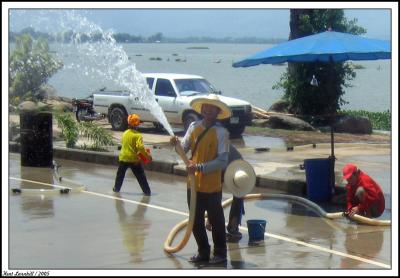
[371, 88]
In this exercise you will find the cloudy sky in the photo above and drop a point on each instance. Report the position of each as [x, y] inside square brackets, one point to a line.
[262, 21]
[227, 22]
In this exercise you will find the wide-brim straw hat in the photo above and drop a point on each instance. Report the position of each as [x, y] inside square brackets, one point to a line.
[213, 99]
[239, 178]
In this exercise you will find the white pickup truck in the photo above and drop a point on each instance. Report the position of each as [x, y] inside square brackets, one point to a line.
[173, 92]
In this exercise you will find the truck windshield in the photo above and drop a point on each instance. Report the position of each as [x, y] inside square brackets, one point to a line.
[194, 86]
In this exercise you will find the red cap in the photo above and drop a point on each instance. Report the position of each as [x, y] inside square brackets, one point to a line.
[348, 170]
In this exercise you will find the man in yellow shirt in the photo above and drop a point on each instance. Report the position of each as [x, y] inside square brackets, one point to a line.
[208, 141]
[130, 156]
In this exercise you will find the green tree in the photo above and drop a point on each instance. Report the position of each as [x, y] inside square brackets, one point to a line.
[31, 66]
[156, 37]
[126, 38]
[303, 98]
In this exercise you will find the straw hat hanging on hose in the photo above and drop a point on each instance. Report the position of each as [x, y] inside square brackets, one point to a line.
[239, 178]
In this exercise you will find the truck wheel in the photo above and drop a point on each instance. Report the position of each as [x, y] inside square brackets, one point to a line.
[159, 127]
[118, 119]
[189, 118]
[236, 130]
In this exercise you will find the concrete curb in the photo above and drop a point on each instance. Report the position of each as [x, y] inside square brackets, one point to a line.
[290, 186]
[105, 158]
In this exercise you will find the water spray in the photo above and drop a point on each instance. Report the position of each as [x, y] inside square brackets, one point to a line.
[109, 61]
[93, 54]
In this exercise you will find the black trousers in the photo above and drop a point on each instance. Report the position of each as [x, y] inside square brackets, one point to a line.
[236, 212]
[210, 202]
[137, 170]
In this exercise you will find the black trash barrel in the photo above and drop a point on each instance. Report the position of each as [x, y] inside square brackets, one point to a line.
[36, 131]
[318, 178]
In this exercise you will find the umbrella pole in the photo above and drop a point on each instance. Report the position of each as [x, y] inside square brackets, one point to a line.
[332, 139]
[332, 157]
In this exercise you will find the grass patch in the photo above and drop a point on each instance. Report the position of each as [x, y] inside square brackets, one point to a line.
[379, 120]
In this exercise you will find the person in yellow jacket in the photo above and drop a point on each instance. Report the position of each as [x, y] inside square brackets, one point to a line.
[131, 154]
[208, 142]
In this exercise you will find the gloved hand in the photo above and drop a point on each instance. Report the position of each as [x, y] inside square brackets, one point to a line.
[146, 159]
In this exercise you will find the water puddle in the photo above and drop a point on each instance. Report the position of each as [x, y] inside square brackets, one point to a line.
[261, 143]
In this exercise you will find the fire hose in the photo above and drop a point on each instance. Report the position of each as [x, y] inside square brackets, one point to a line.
[335, 215]
[188, 223]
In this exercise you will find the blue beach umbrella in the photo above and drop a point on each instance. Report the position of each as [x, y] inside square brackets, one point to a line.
[327, 46]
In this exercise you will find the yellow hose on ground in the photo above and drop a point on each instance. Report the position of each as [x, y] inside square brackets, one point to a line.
[321, 212]
[369, 221]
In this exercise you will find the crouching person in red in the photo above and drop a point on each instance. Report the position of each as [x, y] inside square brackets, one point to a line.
[364, 195]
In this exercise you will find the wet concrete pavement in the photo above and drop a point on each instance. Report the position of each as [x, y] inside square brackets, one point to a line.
[277, 168]
[98, 229]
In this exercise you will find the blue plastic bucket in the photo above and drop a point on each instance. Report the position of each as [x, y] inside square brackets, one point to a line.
[318, 177]
[256, 229]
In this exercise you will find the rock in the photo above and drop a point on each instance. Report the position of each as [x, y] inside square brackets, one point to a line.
[64, 99]
[353, 124]
[57, 104]
[288, 122]
[43, 106]
[63, 107]
[280, 106]
[27, 106]
[259, 122]
[60, 105]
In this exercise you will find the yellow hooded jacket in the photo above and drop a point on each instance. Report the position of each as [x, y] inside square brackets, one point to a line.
[132, 146]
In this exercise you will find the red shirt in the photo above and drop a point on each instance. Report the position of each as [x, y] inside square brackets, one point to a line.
[373, 194]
